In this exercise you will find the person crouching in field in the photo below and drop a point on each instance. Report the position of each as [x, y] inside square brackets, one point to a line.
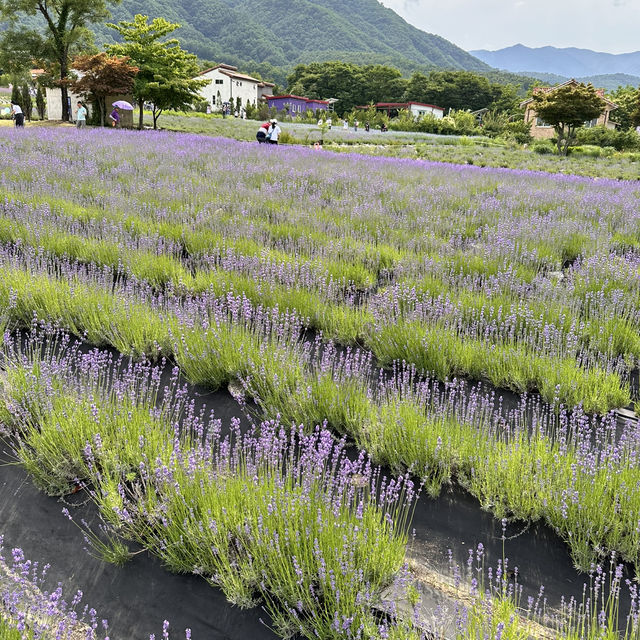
[261, 136]
[18, 116]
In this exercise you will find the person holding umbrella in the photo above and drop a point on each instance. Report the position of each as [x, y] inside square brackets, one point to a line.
[117, 106]
[115, 117]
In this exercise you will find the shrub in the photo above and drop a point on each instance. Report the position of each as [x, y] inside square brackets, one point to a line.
[465, 122]
[287, 137]
[602, 137]
[200, 106]
[519, 131]
[543, 147]
[592, 151]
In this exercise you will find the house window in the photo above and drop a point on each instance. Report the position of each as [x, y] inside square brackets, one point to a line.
[541, 123]
[591, 123]
[219, 81]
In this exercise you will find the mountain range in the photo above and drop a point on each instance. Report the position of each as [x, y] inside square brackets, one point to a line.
[282, 33]
[608, 81]
[566, 63]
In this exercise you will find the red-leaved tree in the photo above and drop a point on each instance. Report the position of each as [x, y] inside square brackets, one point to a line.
[101, 76]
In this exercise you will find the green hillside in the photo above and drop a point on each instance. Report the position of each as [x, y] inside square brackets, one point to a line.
[608, 81]
[266, 34]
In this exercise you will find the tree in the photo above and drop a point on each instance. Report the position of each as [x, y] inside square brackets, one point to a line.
[635, 114]
[166, 73]
[567, 108]
[26, 102]
[457, 90]
[352, 85]
[64, 32]
[103, 76]
[626, 98]
[460, 90]
[40, 105]
[16, 96]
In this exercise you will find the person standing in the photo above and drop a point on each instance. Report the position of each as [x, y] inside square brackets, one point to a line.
[18, 116]
[115, 117]
[81, 116]
[274, 132]
[355, 125]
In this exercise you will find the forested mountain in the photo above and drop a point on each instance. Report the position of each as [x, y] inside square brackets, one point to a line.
[264, 34]
[569, 62]
[609, 81]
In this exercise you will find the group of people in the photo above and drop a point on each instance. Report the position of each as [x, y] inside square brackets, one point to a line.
[269, 132]
[81, 116]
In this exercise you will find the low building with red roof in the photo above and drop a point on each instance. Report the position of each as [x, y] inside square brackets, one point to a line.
[417, 109]
[295, 105]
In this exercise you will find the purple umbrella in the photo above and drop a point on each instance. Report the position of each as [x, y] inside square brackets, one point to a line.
[123, 104]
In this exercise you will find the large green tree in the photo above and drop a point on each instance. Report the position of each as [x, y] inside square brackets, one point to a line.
[64, 33]
[567, 108]
[635, 114]
[461, 90]
[351, 84]
[166, 73]
[626, 98]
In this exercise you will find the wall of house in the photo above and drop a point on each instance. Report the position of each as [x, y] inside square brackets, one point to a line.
[263, 92]
[418, 110]
[295, 106]
[291, 105]
[229, 88]
[539, 132]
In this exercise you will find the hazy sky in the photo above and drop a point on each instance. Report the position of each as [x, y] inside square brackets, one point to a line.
[602, 25]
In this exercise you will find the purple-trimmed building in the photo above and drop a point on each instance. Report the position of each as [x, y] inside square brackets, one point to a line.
[295, 105]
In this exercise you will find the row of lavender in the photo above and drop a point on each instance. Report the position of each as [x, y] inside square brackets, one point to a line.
[219, 257]
[563, 466]
[272, 516]
[457, 270]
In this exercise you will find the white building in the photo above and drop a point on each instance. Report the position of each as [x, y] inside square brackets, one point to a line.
[419, 109]
[227, 85]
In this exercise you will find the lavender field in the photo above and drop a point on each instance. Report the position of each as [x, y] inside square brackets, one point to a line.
[391, 327]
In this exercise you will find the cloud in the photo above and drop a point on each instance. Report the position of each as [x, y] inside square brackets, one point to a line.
[492, 24]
